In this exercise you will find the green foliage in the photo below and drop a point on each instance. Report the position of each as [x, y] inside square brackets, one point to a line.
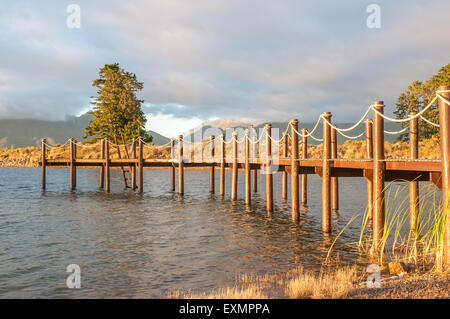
[417, 97]
[117, 111]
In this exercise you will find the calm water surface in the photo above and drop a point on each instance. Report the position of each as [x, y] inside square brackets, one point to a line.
[131, 245]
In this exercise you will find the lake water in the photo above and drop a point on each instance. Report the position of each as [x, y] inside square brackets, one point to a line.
[145, 246]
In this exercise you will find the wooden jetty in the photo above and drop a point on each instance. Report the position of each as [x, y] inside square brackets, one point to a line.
[374, 168]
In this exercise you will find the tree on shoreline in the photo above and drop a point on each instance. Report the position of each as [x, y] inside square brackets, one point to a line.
[117, 111]
[417, 97]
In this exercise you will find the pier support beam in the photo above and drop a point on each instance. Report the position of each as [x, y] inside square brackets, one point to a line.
[133, 167]
[369, 155]
[269, 176]
[334, 180]
[222, 165]
[234, 176]
[255, 170]
[72, 165]
[284, 184]
[180, 166]
[43, 150]
[444, 122]
[326, 194]
[107, 170]
[102, 167]
[172, 168]
[414, 185]
[294, 171]
[211, 171]
[304, 195]
[248, 185]
[141, 166]
[379, 167]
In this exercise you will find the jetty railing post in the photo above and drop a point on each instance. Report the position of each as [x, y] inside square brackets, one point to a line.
[172, 168]
[304, 193]
[102, 167]
[43, 149]
[444, 122]
[72, 165]
[107, 170]
[248, 197]
[141, 166]
[255, 170]
[369, 155]
[284, 181]
[211, 172]
[326, 169]
[222, 165]
[133, 167]
[378, 175]
[414, 185]
[234, 176]
[334, 180]
[180, 166]
[294, 171]
[269, 176]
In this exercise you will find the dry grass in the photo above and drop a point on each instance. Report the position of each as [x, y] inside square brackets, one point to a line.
[223, 293]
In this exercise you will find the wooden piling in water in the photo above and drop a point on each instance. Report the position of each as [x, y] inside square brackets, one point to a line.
[414, 185]
[102, 167]
[141, 166]
[172, 168]
[43, 158]
[234, 176]
[379, 167]
[269, 176]
[284, 184]
[369, 155]
[326, 170]
[192, 151]
[211, 171]
[444, 122]
[294, 171]
[72, 165]
[222, 166]
[304, 177]
[255, 170]
[133, 167]
[180, 166]
[248, 186]
[107, 170]
[334, 180]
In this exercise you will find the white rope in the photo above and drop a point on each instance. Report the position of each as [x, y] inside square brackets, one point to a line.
[87, 146]
[396, 132]
[351, 137]
[429, 122]
[56, 147]
[310, 133]
[316, 139]
[348, 128]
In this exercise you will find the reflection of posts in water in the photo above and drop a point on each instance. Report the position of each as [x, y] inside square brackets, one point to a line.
[326, 194]
[334, 180]
[284, 181]
[304, 176]
[414, 185]
[248, 196]
[294, 171]
[369, 177]
[269, 177]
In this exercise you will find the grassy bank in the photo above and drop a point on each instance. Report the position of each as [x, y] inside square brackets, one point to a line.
[30, 156]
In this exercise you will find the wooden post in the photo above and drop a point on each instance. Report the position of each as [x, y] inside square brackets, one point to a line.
[234, 176]
[414, 185]
[326, 194]
[255, 171]
[294, 171]
[141, 166]
[102, 167]
[269, 176]
[444, 122]
[72, 165]
[211, 172]
[304, 195]
[378, 175]
[43, 149]
[192, 151]
[222, 165]
[75, 164]
[133, 167]
[248, 197]
[107, 170]
[172, 168]
[284, 180]
[369, 155]
[334, 180]
[180, 166]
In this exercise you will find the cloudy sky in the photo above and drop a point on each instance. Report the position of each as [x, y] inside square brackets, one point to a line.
[219, 59]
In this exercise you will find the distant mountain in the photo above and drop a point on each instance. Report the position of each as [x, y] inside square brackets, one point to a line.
[216, 128]
[22, 133]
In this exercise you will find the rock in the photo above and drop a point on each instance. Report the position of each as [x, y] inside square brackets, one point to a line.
[397, 268]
